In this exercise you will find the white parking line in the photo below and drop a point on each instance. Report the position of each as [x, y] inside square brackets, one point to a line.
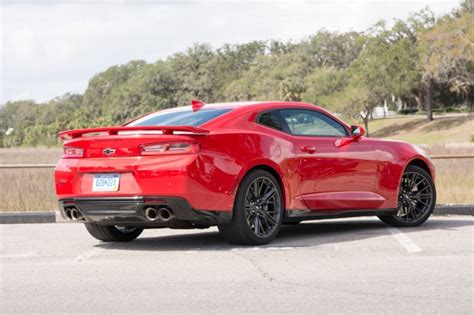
[403, 239]
[94, 251]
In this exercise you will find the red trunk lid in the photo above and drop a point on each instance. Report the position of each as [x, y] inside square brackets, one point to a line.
[121, 145]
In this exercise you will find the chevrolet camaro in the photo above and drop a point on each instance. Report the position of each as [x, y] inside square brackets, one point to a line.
[247, 168]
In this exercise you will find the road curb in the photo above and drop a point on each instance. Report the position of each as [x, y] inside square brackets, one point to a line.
[454, 210]
[27, 217]
[55, 216]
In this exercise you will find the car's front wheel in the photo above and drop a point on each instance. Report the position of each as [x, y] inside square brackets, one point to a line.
[258, 210]
[113, 233]
[416, 199]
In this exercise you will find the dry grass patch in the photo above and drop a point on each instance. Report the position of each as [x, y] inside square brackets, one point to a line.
[28, 189]
[454, 178]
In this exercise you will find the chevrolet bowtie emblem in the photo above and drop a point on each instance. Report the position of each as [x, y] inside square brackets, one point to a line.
[108, 151]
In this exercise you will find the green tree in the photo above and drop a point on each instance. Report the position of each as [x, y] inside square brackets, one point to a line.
[447, 57]
[291, 89]
[322, 83]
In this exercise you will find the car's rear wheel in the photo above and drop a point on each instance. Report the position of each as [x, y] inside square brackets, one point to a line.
[416, 199]
[258, 210]
[113, 233]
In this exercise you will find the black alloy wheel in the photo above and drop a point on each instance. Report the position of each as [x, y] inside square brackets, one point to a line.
[262, 207]
[416, 198]
[258, 210]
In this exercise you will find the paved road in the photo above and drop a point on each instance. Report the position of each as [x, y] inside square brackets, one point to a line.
[356, 265]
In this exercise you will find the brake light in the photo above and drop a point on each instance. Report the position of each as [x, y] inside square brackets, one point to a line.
[169, 148]
[72, 152]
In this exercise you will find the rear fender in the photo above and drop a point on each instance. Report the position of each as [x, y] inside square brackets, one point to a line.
[265, 164]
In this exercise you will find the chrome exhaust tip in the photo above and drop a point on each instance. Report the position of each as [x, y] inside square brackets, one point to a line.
[151, 214]
[67, 213]
[165, 214]
[75, 214]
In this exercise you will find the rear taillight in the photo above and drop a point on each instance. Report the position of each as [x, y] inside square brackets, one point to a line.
[169, 148]
[72, 152]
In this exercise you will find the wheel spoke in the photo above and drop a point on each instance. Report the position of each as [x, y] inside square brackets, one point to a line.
[411, 181]
[269, 217]
[427, 187]
[257, 225]
[417, 183]
[267, 195]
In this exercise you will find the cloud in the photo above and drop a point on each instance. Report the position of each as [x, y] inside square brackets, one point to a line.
[50, 47]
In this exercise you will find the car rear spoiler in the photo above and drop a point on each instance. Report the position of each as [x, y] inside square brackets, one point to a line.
[167, 130]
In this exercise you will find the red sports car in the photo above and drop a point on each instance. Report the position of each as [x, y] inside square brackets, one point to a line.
[246, 167]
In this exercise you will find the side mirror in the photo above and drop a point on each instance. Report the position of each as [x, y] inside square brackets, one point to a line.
[357, 132]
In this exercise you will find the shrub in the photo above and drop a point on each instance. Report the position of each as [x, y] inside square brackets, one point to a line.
[451, 109]
[407, 111]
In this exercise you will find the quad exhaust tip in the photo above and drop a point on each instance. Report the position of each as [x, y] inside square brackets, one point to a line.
[151, 214]
[165, 214]
[74, 214]
[161, 215]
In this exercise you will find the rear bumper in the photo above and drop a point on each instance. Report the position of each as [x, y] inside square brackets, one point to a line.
[180, 176]
[130, 211]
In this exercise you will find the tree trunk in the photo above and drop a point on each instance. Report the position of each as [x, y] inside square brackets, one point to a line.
[429, 100]
[399, 104]
[366, 122]
[467, 101]
[419, 100]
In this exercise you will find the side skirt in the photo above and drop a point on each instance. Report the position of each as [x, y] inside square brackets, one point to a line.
[304, 215]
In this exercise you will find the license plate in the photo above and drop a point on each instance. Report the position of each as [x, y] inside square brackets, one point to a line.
[106, 182]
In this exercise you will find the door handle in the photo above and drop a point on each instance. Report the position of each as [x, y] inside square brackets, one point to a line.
[308, 149]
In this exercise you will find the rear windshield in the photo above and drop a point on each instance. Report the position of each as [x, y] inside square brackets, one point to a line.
[180, 118]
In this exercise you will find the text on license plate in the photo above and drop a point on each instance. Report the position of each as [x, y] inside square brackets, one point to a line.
[106, 182]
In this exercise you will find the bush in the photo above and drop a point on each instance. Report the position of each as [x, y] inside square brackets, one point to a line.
[408, 111]
[451, 109]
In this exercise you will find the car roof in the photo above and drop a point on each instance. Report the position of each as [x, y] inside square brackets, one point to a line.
[239, 108]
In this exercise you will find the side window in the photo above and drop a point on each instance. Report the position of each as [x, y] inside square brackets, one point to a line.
[269, 119]
[312, 123]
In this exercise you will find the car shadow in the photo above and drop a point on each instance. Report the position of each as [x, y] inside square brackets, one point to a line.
[440, 123]
[445, 123]
[395, 128]
[307, 234]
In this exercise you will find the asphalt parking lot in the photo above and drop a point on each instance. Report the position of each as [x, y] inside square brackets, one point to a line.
[350, 265]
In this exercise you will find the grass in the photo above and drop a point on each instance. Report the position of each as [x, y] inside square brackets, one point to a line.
[454, 178]
[33, 189]
[27, 189]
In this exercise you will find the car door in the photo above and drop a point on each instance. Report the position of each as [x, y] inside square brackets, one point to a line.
[332, 177]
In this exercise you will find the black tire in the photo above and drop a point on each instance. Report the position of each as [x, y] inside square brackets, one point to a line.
[422, 207]
[266, 216]
[111, 233]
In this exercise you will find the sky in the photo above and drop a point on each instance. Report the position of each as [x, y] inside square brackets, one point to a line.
[52, 47]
